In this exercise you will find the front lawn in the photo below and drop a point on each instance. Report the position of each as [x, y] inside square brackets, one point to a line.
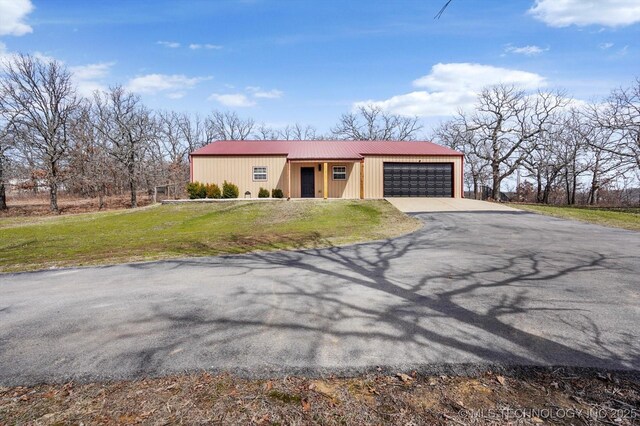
[167, 231]
[622, 217]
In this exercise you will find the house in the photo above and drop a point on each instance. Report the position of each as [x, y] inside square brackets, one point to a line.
[332, 169]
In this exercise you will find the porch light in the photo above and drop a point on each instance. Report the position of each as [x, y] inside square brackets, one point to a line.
[319, 167]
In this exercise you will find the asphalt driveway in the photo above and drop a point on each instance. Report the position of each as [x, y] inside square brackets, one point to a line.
[475, 288]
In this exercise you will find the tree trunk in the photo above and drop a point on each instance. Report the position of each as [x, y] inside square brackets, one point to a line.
[53, 195]
[594, 182]
[132, 179]
[475, 187]
[3, 195]
[593, 191]
[101, 196]
[546, 193]
[567, 186]
[133, 189]
[53, 187]
[495, 171]
[539, 196]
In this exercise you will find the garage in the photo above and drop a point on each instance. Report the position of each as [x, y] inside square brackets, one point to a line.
[418, 179]
[333, 169]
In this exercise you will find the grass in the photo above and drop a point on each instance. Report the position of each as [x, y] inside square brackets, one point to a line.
[559, 397]
[618, 217]
[166, 231]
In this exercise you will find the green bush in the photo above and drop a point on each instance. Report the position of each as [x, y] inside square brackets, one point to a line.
[196, 190]
[213, 191]
[230, 190]
[263, 193]
[276, 193]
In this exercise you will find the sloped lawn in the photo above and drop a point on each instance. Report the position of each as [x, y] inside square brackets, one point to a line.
[617, 217]
[167, 231]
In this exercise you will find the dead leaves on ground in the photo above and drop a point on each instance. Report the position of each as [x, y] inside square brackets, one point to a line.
[402, 398]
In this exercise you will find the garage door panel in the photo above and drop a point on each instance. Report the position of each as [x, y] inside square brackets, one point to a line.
[418, 179]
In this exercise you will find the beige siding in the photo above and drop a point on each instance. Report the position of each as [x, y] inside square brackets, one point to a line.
[373, 172]
[239, 170]
[349, 188]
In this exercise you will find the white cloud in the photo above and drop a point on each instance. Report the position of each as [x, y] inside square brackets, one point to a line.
[12, 15]
[449, 87]
[238, 100]
[563, 13]
[457, 76]
[196, 46]
[169, 44]
[157, 83]
[92, 71]
[605, 46]
[257, 92]
[528, 50]
[89, 78]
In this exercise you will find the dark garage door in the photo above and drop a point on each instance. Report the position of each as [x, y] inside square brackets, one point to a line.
[418, 179]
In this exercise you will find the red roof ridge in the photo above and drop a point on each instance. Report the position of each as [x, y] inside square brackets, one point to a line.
[324, 149]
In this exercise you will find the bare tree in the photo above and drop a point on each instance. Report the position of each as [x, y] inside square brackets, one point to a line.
[192, 130]
[573, 150]
[507, 123]
[127, 126]
[228, 126]
[371, 122]
[175, 142]
[295, 131]
[621, 114]
[546, 161]
[454, 134]
[605, 167]
[88, 158]
[39, 98]
[299, 132]
[266, 133]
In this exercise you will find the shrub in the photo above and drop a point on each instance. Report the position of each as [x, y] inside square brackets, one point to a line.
[213, 191]
[196, 190]
[276, 193]
[263, 193]
[230, 190]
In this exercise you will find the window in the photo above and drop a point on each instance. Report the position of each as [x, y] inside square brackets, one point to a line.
[260, 173]
[339, 173]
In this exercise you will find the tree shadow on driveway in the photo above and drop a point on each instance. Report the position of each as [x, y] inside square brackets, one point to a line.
[425, 298]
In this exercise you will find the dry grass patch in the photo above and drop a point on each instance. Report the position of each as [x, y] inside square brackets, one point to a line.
[371, 399]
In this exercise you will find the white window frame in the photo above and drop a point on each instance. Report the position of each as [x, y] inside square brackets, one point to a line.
[265, 173]
[333, 173]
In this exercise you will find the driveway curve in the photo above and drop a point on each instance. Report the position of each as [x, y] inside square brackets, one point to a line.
[473, 288]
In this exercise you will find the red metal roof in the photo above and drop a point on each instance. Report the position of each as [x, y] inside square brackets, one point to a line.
[324, 149]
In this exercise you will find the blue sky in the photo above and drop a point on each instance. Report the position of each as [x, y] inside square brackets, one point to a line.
[282, 62]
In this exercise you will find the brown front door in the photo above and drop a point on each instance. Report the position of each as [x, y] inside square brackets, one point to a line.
[307, 182]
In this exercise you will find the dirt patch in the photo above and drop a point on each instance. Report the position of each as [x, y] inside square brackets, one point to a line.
[39, 205]
[406, 398]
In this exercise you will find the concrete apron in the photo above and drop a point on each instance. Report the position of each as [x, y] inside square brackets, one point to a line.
[426, 205]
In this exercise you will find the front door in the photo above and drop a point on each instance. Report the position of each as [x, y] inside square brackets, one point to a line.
[307, 182]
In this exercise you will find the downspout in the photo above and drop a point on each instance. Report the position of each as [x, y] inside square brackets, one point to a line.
[461, 176]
